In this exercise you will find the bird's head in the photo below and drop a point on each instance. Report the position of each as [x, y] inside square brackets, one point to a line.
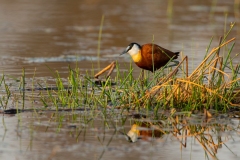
[133, 49]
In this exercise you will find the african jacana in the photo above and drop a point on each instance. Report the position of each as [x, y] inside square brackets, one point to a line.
[149, 56]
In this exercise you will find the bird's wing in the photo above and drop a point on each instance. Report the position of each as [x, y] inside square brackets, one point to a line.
[159, 53]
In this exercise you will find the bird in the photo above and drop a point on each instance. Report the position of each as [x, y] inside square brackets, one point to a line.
[149, 56]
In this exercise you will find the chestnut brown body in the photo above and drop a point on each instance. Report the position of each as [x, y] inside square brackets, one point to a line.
[154, 57]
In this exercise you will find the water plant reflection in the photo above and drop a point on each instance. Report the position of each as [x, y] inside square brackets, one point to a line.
[211, 132]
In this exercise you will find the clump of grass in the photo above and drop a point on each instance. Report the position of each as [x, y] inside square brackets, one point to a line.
[208, 86]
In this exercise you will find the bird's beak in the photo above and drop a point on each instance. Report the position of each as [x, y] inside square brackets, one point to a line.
[123, 52]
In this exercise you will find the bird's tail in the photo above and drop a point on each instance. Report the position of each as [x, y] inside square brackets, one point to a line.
[176, 55]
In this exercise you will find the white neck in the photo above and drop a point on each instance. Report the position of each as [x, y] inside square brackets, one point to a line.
[134, 50]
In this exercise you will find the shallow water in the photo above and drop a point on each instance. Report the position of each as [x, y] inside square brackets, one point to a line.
[47, 136]
[41, 34]
[36, 34]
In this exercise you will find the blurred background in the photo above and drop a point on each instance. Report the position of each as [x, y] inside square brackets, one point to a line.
[58, 33]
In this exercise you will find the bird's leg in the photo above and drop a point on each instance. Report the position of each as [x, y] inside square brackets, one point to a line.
[176, 62]
[172, 65]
